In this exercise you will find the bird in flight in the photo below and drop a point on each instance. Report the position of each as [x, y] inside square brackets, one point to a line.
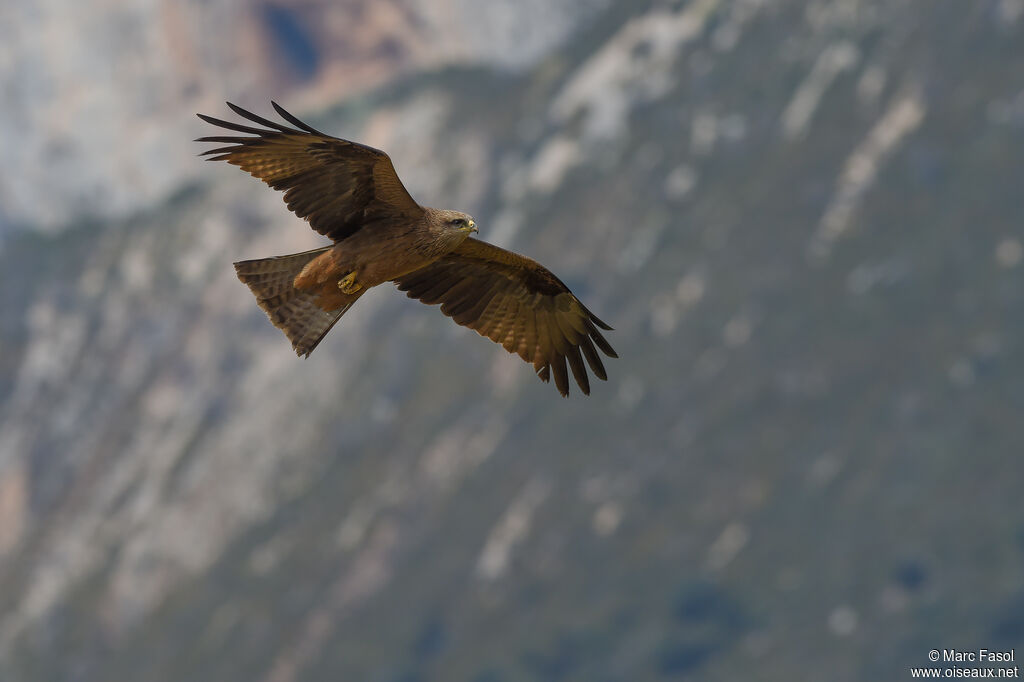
[350, 193]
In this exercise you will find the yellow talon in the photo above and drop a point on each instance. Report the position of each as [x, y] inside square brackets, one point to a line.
[348, 284]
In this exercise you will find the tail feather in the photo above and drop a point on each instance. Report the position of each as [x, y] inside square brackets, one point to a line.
[293, 311]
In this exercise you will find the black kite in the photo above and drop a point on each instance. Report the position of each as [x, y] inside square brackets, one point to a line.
[351, 193]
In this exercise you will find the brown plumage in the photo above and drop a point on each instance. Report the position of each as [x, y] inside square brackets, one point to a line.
[351, 193]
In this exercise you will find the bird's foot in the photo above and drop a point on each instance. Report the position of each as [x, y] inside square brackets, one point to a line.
[348, 284]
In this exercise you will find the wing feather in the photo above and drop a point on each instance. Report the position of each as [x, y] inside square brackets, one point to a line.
[579, 372]
[519, 304]
[337, 185]
[543, 372]
[599, 339]
[561, 374]
[294, 121]
[257, 119]
[593, 359]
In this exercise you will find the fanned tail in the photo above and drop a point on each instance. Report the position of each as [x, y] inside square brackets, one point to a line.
[292, 310]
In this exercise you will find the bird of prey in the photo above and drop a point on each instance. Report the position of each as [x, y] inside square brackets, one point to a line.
[350, 193]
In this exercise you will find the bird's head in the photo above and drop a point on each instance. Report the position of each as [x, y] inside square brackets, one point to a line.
[463, 222]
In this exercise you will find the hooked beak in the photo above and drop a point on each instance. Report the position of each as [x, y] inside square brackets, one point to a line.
[472, 227]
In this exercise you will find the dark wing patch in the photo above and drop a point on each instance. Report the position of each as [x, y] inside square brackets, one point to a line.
[337, 185]
[518, 303]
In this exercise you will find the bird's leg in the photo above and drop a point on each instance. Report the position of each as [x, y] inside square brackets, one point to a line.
[348, 283]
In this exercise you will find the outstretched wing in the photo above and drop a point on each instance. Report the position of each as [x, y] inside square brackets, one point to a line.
[518, 303]
[339, 186]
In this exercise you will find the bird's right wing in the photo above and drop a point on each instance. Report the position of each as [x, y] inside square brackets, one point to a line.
[518, 303]
[338, 186]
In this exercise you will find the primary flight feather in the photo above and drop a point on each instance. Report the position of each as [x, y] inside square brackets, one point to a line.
[351, 193]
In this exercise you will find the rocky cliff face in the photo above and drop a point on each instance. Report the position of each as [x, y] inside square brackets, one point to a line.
[803, 221]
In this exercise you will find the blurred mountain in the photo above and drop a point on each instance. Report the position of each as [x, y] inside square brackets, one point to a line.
[803, 219]
[99, 95]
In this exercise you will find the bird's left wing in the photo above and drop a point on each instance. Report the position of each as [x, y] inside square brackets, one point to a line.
[518, 303]
[339, 186]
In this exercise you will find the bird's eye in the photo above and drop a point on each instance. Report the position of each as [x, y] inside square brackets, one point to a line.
[459, 222]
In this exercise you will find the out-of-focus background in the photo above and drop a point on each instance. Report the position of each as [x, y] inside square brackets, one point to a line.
[803, 217]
